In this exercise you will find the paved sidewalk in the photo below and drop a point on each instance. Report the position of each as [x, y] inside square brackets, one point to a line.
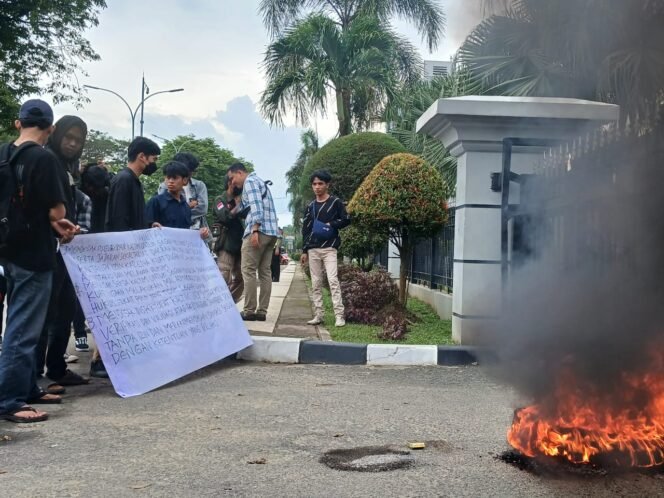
[289, 310]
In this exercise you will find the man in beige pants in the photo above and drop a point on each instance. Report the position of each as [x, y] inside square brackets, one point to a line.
[260, 236]
[324, 217]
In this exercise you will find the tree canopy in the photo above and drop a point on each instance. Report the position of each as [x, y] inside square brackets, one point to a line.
[42, 44]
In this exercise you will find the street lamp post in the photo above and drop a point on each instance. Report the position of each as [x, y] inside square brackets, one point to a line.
[141, 105]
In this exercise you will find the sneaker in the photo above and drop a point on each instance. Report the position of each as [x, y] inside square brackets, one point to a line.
[340, 322]
[261, 317]
[317, 320]
[70, 358]
[97, 369]
[82, 344]
[248, 317]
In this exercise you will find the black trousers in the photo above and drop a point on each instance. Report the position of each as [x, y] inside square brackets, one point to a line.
[275, 267]
[57, 329]
[3, 293]
[79, 322]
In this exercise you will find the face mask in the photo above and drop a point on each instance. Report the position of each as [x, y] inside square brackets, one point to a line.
[150, 169]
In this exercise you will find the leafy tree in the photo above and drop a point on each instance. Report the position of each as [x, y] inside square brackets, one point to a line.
[349, 160]
[412, 101]
[360, 243]
[309, 141]
[100, 146]
[41, 47]
[347, 48]
[361, 65]
[214, 161]
[402, 196]
[592, 49]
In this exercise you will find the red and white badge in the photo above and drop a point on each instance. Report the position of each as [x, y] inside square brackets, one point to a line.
[220, 205]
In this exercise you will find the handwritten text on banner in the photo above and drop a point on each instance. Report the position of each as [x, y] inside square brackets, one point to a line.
[156, 304]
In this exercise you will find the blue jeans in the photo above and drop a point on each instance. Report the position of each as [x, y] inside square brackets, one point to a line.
[28, 294]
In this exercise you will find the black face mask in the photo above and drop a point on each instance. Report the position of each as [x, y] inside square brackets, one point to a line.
[150, 169]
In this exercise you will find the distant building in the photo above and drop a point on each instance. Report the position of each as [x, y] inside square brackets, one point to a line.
[433, 69]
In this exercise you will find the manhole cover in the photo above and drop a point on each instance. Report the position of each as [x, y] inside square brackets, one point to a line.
[367, 459]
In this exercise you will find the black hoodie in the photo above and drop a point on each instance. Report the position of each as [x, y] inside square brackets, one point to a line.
[70, 166]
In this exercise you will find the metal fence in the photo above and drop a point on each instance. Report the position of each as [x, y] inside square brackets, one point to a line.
[433, 259]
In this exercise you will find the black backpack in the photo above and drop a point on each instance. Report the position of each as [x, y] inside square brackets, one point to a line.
[12, 217]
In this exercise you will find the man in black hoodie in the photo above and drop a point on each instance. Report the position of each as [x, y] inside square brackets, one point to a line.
[66, 143]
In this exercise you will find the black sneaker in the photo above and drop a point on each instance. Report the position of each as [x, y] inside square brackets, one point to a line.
[261, 317]
[248, 317]
[97, 369]
[82, 344]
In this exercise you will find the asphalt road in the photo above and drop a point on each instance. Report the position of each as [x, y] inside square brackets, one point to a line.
[197, 437]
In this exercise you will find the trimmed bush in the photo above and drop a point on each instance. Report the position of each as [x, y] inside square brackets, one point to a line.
[349, 160]
[359, 242]
[405, 195]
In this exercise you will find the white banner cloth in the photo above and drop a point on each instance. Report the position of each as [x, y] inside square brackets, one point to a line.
[156, 303]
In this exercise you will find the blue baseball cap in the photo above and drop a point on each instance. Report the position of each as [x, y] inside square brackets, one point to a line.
[36, 110]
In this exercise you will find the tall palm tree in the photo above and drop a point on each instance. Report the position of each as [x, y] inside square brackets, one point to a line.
[594, 49]
[309, 140]
[362, 66]
[335, 46]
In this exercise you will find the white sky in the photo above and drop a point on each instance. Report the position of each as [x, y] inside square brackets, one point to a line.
[213, 49]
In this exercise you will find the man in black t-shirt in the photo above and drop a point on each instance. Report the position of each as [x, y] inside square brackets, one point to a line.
[125, 210]
[29, 262]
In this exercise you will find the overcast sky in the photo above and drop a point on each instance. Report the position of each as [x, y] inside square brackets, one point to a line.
[213, 49]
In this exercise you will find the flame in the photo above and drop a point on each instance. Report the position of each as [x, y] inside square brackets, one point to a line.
[581, 424]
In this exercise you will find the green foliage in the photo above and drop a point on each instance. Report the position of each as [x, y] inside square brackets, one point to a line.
[409, 105]
[359, 243]
[100, 146]
[41, 46]
[349, 160]
[362, 64]
[296, 203]
[592, 49]
[214, 161]
[406, 194]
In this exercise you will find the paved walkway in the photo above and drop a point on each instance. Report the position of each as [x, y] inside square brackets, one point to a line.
[289, 310]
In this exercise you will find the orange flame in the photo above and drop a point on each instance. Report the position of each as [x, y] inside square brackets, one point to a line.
[583, 426]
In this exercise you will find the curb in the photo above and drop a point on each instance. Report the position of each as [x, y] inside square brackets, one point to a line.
[289, 350]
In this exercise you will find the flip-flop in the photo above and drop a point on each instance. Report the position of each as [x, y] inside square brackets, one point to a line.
[55, 388]
[43, 400]
[12, 417]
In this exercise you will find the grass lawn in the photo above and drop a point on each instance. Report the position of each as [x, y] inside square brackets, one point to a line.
[429, 329]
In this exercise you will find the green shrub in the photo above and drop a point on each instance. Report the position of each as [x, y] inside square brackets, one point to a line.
[405, 195]
[359, 242]
[349, 160]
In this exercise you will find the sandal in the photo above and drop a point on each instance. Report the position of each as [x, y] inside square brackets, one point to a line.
[12, 417]
[55, 388]
[71, 379]
[45, 398]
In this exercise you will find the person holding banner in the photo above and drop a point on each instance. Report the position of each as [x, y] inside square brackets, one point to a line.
[28, 260]
[125, 210]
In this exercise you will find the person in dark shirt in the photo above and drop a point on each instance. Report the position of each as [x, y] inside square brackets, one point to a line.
[323, 219]
[29, 262]
[126, 201]
[125, 209]
[66, 143]
[171, 209]
[95, 183]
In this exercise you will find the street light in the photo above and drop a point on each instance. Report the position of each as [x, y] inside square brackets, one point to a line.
[177, 149]
[141, 105]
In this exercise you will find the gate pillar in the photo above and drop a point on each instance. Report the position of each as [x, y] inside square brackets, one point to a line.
[472, 128]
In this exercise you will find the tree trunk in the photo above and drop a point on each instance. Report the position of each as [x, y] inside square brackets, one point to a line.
[343, 112]
[404, 257]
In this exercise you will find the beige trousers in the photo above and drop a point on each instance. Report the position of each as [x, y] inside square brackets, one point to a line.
[231, 270]
[325, 260]
[257, 260]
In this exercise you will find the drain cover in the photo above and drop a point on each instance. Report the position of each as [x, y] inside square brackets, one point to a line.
[367, 459]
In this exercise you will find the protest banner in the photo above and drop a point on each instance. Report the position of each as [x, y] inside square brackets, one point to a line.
[156, 304]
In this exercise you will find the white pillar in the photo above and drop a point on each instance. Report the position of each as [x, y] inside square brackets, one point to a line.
[472, 128]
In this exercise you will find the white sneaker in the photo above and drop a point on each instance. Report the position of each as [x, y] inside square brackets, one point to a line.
[70, 358]
[340, 322]
[317, 320]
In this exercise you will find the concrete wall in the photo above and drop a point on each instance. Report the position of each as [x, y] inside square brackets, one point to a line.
[439, 301]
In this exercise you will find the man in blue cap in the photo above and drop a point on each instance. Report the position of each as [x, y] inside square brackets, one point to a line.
[28, 258]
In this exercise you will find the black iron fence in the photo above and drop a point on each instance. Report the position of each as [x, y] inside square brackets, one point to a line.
[433, 259]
